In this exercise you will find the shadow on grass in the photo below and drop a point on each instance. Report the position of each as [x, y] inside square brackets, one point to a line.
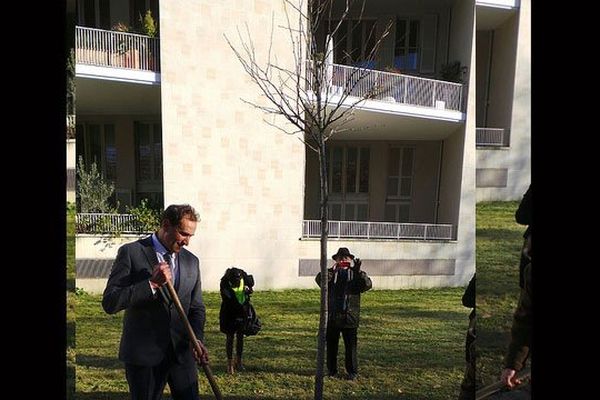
[99, 362]
[493, 338]
[70, 382]
[71, 334]
[420, 313]
[496, 234]
[125, 396]
[274, 369]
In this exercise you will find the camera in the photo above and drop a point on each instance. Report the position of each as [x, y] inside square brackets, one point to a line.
[344, 264]
[235, 277]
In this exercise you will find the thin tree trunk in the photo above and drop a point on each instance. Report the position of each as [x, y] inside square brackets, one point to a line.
[324, 235]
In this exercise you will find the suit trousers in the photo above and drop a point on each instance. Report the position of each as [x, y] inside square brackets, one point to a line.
[350, 342]
[148, 383]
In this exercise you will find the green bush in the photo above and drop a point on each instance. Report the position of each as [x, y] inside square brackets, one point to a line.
[148, 218]
[149, 26]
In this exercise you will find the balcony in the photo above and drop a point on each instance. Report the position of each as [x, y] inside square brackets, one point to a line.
[116, 55]
[430, 108]
[103, 223]
[507, 4]
[491, 137]
[378, 230]
[397, 88]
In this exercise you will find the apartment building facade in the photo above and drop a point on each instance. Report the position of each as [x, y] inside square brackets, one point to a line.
[162, 117]
[503, 99]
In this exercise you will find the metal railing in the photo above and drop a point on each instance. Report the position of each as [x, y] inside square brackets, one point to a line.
[71, 127]
[494, 137]
[116, 49]
[378, 230]
[397, 88]
[107, 223]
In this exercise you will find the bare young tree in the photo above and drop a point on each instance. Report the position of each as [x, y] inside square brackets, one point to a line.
[315, 98]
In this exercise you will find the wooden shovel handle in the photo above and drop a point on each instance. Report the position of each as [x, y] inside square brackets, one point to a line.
[194, 340]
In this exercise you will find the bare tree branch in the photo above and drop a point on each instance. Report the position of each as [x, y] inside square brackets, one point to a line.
[316, 97]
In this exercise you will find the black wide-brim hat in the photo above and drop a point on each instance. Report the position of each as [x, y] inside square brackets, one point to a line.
[342, 252]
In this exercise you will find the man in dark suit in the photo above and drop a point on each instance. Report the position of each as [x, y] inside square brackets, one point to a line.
[154, 343]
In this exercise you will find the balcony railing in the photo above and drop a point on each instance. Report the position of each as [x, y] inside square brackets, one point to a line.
[398, 88]
[107, 223]
[378, 230]
[491, 137]
[116, 49]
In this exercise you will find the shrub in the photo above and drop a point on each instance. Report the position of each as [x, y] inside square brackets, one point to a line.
[148, 218]
[93, 190]
[149, 26]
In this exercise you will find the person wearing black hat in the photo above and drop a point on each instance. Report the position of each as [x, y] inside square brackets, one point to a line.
[346, 281]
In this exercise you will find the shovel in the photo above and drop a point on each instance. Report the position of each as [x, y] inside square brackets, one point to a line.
[194, 341]
[489, 390]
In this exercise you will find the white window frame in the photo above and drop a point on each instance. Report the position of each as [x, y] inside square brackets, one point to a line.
[399, 200]
[344, 199]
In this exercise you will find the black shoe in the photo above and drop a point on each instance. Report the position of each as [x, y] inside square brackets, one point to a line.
[332, 374]
[352, 377]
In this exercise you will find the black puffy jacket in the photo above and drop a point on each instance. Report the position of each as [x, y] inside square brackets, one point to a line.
[232, 314]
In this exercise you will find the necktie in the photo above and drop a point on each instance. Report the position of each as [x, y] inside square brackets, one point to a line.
[169, 259]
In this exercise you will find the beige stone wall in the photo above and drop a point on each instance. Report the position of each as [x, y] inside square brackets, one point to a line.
[457, 194]
[245, 178]
[519, 174]
[510, 106]
[71, 165]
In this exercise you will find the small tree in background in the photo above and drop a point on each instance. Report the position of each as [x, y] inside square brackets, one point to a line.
[93, 190]
[149, 25]
[308, 103]
[148, 218]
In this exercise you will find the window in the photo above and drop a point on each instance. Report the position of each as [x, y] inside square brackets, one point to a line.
[148, 146]
[399, 184]
[354, 41]
[98, 146]
[148, 161]
[407, 45]
[415, 43]
[349, 183]
[94, 13]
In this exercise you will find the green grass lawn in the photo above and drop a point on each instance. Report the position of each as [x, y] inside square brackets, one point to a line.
[499, 241]
[70, 300]
[411, 346]
[411, 342]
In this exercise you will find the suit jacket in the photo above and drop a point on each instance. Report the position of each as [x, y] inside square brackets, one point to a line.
[151, 321]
